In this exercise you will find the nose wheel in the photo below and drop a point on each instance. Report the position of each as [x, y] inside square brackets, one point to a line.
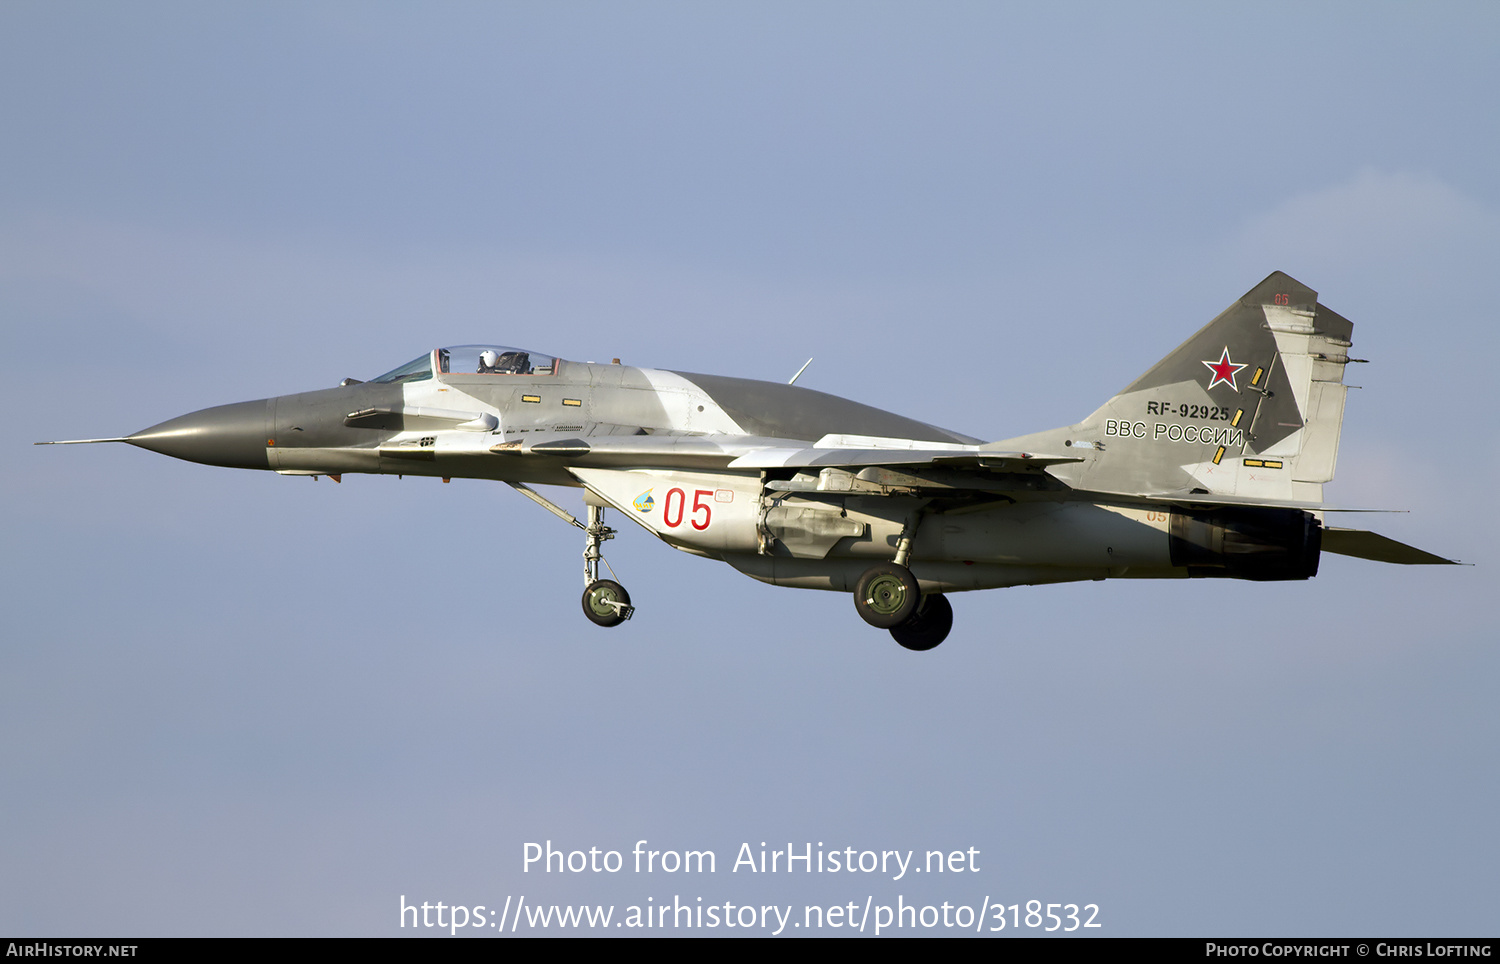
[606, 603]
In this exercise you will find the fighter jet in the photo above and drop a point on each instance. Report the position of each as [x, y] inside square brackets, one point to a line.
[1211, 464]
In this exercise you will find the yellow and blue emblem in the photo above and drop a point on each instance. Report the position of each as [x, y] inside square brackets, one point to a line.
[644, 502]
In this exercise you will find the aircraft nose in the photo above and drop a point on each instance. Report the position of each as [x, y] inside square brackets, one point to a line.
[230, 435]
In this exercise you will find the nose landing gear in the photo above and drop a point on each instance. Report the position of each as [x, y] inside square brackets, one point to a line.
[605, 602]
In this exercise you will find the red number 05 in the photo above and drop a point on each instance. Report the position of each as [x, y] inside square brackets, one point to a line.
[672, 517]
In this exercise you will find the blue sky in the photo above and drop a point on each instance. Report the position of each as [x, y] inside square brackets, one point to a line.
[235, 703]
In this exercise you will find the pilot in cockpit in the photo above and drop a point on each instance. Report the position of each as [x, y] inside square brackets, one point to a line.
[492, 362]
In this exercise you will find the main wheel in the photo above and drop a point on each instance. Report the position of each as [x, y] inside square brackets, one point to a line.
[599, 601]
[886, 595]
[928, 626]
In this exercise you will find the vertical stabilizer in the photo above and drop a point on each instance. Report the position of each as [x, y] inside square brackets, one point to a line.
[1250, 406]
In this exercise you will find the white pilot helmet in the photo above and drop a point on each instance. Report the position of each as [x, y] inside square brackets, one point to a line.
[488, 358]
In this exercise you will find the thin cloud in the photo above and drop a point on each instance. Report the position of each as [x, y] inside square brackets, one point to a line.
[1373, 218]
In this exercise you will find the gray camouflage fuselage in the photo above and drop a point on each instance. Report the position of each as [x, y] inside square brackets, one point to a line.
[1209, 464]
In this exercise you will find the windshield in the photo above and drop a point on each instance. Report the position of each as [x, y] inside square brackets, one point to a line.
[413, 371]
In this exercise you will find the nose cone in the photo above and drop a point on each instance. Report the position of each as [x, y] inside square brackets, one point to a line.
[230, 435]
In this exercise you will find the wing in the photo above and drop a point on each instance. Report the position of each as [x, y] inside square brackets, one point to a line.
[880, 462]
[860, 451]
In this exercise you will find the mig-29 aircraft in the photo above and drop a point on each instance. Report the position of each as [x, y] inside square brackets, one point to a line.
[1211, 464]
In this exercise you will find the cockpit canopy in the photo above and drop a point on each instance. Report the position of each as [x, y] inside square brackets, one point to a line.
[473, 360]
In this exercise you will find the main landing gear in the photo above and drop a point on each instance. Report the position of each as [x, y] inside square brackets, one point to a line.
[887, 597]
[928, 626]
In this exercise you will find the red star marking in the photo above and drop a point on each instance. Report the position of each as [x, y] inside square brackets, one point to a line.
[1224, 371]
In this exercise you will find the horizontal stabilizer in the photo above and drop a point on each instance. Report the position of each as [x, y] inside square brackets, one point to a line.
[1371, 545]
[1181, 499]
